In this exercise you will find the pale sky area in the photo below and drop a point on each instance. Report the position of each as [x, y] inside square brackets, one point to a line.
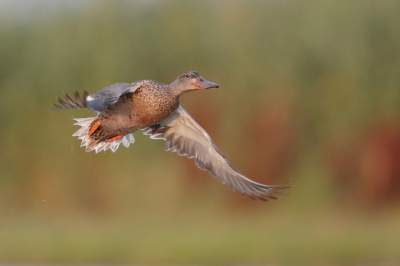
[30, 9]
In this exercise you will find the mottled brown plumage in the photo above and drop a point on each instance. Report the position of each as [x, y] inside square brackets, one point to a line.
[151, 103]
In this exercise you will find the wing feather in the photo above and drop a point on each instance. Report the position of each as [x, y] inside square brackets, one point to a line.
[79, 103]
[183, 135]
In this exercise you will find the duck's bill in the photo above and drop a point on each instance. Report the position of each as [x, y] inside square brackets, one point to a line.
[202, 84]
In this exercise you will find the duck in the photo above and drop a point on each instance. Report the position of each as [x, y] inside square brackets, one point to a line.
[155, 108]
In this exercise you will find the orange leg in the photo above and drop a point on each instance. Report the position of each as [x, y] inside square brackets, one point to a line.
[114, 138]
[94, 127]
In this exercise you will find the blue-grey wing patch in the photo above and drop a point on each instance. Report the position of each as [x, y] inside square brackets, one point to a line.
[109, 95]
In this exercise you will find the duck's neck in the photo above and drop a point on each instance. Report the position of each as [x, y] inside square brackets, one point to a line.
[176, 89]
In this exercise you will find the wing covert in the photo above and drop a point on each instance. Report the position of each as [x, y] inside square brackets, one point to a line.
[109, 95]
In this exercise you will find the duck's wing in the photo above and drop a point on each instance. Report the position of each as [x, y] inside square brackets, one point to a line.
[109, 95]
[183, 135]
[69, 103]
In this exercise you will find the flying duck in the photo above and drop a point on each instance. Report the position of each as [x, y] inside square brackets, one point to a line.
[124, 108]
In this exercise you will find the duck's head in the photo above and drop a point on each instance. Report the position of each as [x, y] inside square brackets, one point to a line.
[191, 81]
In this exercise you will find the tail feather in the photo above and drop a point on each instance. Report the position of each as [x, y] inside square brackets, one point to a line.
[92, 144]
[69, 104]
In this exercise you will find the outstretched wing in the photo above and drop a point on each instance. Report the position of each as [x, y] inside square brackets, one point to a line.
[109, 95]
[183, 135]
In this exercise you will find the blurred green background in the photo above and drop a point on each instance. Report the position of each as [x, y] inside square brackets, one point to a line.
[310, 92]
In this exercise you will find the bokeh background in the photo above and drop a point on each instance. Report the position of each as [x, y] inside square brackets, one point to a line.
[310, 94]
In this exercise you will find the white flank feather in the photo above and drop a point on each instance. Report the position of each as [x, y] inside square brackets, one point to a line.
[83, 134]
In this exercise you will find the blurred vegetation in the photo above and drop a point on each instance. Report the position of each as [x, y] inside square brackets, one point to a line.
[310, 92]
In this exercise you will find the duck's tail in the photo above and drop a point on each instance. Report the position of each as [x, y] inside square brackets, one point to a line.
[89, 134]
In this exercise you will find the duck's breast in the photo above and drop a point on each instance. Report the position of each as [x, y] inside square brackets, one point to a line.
[152, 105]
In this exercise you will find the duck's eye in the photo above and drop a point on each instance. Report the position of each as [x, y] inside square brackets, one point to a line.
[187, 76]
